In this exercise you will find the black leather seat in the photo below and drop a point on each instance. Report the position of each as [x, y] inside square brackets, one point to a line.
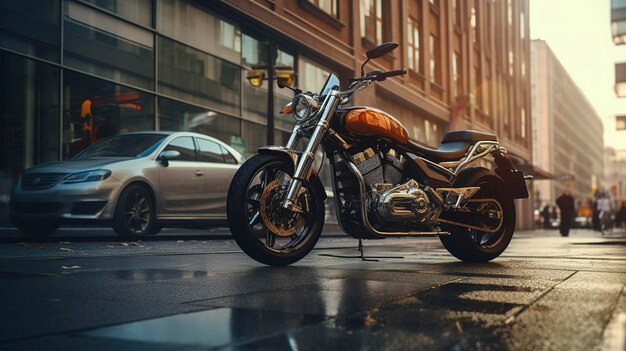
[445, 152]
[467, 136]
[454, 145]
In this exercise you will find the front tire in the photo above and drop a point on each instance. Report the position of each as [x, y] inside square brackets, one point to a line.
[246, 218]
[470, 245]
[134, 213]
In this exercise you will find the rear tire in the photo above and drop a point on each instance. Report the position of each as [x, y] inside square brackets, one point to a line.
[134, 213]
[253, 236]
[37, 229]
[462, 242]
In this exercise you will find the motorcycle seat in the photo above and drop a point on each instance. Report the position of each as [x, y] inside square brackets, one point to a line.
[454, 145]
[467, 136]
[446, 152]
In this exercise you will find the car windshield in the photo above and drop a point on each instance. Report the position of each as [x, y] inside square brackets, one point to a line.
[129, 145]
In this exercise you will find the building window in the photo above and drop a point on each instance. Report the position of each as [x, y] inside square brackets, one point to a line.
[372, 20]
[522, 26]
[101, 44]
[435, 57]
[435, 45]
[138, 11]
[457, 83]
[328, 6]
[190, 23]
[29, 118]
[31, 27]
[476, 23]
[457, 11]
[94, 109]
[509, 12]
[197, 77]
[413, 47]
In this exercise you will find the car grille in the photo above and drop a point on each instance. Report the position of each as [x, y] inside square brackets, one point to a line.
[35, 207]
[41, 180]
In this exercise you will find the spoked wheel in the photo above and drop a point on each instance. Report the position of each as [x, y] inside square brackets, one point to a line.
[134, 213]
[488, 225]
[261, 227]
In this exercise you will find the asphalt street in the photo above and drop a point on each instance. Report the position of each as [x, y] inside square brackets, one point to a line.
[201, 292]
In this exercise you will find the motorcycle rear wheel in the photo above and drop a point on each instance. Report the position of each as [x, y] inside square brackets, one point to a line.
[470, 245]
[298, 233]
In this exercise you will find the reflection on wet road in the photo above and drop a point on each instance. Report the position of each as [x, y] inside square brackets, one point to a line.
[544, 293]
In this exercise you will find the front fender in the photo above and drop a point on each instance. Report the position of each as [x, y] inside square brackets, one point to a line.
[291, 157]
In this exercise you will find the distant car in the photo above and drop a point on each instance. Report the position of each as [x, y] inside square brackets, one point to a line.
[135, 182]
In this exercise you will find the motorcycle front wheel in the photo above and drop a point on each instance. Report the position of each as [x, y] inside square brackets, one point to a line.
[261, 227]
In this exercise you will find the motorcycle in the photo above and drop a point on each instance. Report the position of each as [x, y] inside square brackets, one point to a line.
[384, 184]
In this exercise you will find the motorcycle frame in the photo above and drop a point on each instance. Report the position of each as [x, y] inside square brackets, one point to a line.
[322, 129]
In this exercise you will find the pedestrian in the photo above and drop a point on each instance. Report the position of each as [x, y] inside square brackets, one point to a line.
[545, 214]
[568, 210]
[620, 216]
[604, 212]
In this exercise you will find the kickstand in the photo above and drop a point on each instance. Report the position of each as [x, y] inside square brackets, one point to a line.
[361, 254]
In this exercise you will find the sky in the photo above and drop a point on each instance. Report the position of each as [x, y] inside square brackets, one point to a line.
[579, 34]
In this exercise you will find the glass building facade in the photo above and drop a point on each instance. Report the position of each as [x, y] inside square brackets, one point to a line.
[77, 71]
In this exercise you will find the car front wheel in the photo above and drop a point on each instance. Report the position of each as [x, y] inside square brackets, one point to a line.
[134, 213]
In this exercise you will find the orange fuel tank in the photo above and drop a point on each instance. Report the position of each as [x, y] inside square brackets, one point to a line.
[367, 121]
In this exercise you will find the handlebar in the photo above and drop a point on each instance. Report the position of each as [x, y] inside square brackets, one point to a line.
[379, 75]
[396, 72]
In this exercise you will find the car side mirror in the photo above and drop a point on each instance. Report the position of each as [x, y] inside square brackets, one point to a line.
[167, 155]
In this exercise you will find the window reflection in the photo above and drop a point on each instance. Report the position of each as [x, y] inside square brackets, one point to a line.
[97, 43]
[177, 116]
[29, 119]
[31, 27]
[139, 11]
[191, 24]
[94, 109]
[195, 76]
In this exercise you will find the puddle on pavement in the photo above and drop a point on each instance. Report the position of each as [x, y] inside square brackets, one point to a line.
[453, 297]
[330, 298]
[213, 328]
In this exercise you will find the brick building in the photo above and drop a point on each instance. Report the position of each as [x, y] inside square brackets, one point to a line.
[182, 65]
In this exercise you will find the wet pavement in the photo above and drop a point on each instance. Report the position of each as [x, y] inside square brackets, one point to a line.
[545, 293]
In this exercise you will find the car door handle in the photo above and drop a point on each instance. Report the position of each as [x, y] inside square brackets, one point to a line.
[199, 173]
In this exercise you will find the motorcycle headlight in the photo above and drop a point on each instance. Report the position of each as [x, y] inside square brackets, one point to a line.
[303, 107]
[92, 176]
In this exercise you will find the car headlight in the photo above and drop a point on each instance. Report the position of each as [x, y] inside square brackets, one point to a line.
[303, 107]
[92, 176]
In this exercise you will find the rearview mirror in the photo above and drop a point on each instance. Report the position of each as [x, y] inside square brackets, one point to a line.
[168, 155]
[381, 50]
[378, 51]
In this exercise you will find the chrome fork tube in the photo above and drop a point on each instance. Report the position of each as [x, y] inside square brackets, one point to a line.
[306, 160]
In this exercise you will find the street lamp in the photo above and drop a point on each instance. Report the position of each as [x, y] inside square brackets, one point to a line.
[283, 74]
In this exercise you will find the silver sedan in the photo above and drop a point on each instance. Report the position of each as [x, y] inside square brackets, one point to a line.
[135, 182]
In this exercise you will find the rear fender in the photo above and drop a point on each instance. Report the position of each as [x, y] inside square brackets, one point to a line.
[291, 158]
[513, 178]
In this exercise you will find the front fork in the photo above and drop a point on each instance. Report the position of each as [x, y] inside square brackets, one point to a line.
[306, 160]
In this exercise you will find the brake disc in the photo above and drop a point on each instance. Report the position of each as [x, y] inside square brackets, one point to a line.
[278, 220]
